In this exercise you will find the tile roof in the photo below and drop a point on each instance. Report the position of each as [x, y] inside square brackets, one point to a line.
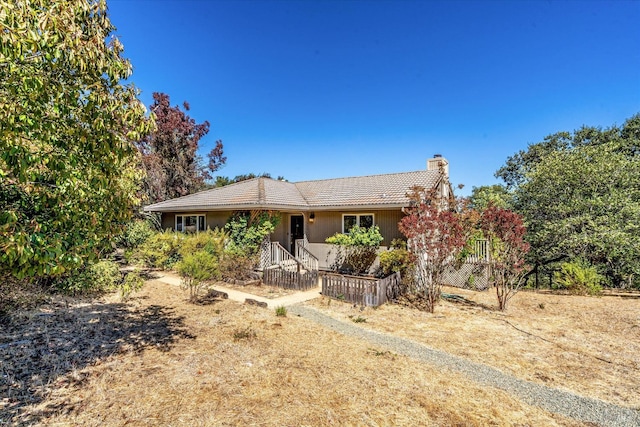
[372, 191]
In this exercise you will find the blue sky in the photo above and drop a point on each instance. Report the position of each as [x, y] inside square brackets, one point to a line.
[323, 89]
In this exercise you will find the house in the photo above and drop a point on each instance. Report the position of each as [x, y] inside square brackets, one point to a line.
[311, 210]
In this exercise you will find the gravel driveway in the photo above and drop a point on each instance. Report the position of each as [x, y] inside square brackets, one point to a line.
[551, 399]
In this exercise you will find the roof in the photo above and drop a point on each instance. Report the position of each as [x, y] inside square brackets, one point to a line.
[361, 192]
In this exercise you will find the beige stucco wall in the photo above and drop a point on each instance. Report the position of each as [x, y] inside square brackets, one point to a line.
[212, 220]
[326, 224]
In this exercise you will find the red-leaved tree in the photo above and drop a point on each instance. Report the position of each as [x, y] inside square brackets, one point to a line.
[505, 231]
[169, 154]
[435, 235]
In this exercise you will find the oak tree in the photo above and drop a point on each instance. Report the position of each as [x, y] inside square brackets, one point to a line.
[579, 195]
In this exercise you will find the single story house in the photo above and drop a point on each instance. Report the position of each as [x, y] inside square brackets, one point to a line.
[311, 210]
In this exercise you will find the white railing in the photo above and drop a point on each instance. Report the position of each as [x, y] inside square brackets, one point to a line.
[307, 259]
[280, 256]
[480, 251]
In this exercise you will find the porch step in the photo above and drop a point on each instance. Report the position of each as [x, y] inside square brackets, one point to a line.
[289, 265]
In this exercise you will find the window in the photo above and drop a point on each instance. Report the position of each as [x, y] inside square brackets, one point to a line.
[190, 223]
[351, 220]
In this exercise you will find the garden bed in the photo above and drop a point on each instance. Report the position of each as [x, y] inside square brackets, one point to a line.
[361, 290]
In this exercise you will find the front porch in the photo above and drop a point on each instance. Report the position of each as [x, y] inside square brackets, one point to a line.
[283, 269]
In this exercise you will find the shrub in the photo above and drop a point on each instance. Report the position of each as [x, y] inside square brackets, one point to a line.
[395, 260]
[135, 234]
[357, 250]
[247, 230]
[211, 241]
[358, 319]
[161, 250]
[101, 276]
[281, 311]
[131, 283]
[236, 264]
[577, 276]
[195, 269]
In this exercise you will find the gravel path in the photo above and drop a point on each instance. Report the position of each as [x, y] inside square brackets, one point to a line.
[553, 400]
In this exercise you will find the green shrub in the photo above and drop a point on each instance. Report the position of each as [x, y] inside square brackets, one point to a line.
[161, 250]
[132, 283]
[577, 276]
[101, 276]
[135, 234]
[211, 241]
[395, 260]
[281, 311]
[195, 269]
[357, 250]
[247, 230]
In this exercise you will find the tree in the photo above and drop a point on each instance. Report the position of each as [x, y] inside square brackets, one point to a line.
[221, 181]
[170, 153]
[586, 203]
[485, 195]
[435, 235]
[68, 178]
[505, 232]
[581, 199]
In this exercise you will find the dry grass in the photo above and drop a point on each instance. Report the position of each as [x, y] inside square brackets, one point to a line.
[587, 345]
[160, 361]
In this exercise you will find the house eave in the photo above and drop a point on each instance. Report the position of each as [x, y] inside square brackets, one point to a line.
[225, 208]
[373, 206]
[274, 207]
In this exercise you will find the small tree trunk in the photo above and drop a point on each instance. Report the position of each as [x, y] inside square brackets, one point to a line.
[501, 293]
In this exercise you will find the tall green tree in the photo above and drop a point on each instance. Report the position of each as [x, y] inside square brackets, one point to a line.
[170, 153]
[496, 195]
[580, 197]
[68, 174]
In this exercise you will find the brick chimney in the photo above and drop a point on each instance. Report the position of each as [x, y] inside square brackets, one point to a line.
[438, 163]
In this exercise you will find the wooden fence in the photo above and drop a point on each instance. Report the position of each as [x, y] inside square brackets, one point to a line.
[299, 280]
[364, 291]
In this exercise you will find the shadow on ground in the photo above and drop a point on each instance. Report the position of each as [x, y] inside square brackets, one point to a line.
[48, 349]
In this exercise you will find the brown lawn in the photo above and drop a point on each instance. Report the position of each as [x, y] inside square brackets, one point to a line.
[587, 345]
[158, 361]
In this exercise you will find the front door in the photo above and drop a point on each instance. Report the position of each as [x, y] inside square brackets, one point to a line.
[297, 231]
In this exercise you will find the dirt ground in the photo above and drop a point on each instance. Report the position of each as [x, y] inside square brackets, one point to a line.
[262, 290]
[158, 361]
[587, 345]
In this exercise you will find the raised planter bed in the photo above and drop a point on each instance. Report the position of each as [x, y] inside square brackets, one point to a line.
[365, 291]
[298, 280]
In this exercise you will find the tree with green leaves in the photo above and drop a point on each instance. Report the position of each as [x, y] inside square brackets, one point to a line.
[68, 171]
[221, 181]
[485, 195]
[579, 195]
